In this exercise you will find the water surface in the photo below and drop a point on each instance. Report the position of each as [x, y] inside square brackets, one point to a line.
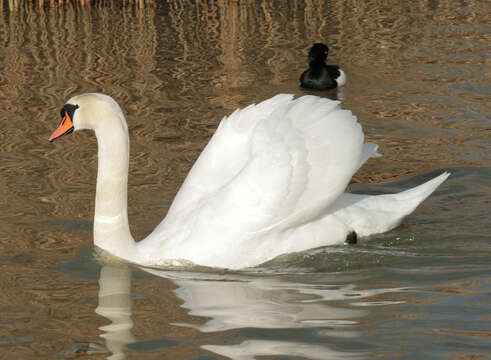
[418, 81]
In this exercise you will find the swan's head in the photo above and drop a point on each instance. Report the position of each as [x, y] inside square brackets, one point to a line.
[318, 53]
[89, 111]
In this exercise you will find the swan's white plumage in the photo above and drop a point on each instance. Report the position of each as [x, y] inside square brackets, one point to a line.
[280, 157]
[270, 181]
[368, 214]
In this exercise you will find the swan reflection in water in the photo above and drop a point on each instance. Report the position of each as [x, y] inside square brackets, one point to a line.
[115, 305]
[244, 302]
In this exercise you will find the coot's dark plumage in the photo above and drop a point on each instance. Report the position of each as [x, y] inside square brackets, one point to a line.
[321, 76]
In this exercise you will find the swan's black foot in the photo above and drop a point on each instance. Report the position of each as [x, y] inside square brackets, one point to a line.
[351, 238]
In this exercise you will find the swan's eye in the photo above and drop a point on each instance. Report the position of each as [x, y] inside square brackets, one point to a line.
[68, 109]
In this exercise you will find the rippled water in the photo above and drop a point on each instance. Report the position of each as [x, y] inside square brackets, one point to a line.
[418, 80]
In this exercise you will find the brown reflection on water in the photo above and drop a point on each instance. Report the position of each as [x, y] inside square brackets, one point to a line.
[427, 85]
[417, 80]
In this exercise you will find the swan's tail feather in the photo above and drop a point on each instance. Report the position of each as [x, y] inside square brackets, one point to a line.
[405, 202]
[418, 194]
[368, 214]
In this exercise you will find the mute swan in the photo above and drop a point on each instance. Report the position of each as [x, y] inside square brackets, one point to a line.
[269, 182]
[319, 75]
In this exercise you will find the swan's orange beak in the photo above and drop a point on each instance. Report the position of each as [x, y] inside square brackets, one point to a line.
[66, 127]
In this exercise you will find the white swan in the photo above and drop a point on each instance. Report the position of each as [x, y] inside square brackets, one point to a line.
[269, 182]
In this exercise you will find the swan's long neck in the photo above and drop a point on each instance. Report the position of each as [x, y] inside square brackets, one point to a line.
[111, 229]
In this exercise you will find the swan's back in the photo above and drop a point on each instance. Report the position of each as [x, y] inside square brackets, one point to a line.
[271, 166]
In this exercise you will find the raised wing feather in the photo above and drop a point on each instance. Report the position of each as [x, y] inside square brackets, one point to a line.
[226, 154]
[333, 140]
[279, 163]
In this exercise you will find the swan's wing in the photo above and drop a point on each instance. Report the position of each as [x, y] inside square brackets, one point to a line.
[369, 150]
[225, 155]
[282, 162]
[325, 145]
